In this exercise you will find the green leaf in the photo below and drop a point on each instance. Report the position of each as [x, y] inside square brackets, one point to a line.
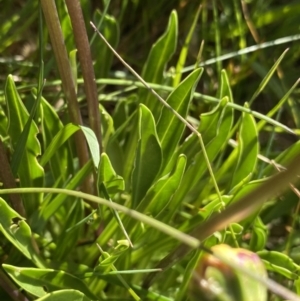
[107, 126]
[247, 149]
[279, 263]
[3, 123]
[267, 78]
[184, 50]
[65, 295]
[30, 172]
[210, 122]
[169, 127]
[197, 166]
[50, 207]
[66, 26]
[17, 231]
[73, 64]
[258, 239]
[188, 275]
[279, 105]
[284, 158]
[107, 260]
[21, 144]
[109, 183]
[247, 189]
[59, 139]
[132, 128]
[148, 156]
[161, 52]
[106, 175]
[297, 286]
[225, 89]
[64, 134]
[60, 162]
[102, 54]
[259, 235]
[93, 144]
[67, 240]
[39, 282]
[161, 192]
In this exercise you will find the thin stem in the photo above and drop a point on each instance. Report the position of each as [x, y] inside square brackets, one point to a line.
[152, 222]
[246, 50]
[217, 37]
[10, 288]
[207, 98]
[86, 63]
[63, 64]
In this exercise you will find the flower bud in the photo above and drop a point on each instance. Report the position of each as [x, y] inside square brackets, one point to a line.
[215, 280]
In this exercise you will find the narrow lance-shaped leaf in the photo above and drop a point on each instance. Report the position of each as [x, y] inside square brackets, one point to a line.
[160, 194]
[154, 67]
[73, 64]
[247, 149]
[93, 144]
[3, 123]
[284, 158]
[107, 126]
[58, 140]
[188, 274]
[209, 123]
[49, 208]
[65, 295]
[169, 127]
[267, 78]
[17, 231]
[259, 236]
[66, 241]
[109, 183]
[30, 172]
[184, 51]
[130, 145]
[107, 264]
[163, 190]
[279, 105]
[64, 134]
[106, 175]
[102, 54]
[39, 282]
[279, 263]
[60, 163]
[148, 156]
[198, 165]
[22, 141]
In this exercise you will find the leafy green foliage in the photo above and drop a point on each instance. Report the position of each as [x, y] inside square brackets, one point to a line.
[148, 156]
[62, 295]
[29, 171]
[40, 281]
[160, 179]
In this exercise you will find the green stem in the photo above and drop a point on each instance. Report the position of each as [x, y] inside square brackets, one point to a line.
[152, 222]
